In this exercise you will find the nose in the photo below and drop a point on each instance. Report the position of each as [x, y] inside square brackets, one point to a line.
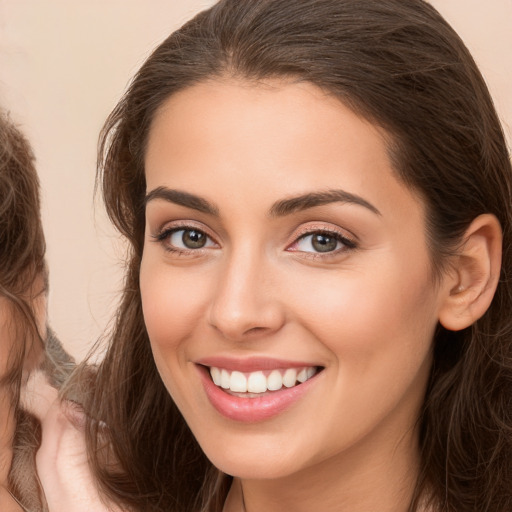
[246, 302]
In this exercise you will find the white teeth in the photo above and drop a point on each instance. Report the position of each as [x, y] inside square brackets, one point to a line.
[224, 379]
[302, 376]
[290, 377]
[215, 373]
[238, 382]
[274, 380]
[258, 382]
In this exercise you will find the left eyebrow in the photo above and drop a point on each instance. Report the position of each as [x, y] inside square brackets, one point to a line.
[310, 200]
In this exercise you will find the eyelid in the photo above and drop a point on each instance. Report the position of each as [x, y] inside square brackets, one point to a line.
[317, 227]
[167, 228]
[348, 241]
[176, 225]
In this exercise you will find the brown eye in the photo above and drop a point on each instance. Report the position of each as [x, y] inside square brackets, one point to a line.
[324, 243]
[184, 239]
[321, 242]
[193, 239]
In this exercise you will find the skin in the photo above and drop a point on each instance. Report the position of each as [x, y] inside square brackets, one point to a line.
[62, 460]
[367, 314]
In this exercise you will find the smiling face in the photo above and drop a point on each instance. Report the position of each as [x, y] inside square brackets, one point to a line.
[281, 248]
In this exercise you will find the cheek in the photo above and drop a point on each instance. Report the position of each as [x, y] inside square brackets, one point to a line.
[172, 304]
[378, 330]
[373, 319]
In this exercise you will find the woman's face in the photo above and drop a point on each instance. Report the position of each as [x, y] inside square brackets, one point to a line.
[279, 248]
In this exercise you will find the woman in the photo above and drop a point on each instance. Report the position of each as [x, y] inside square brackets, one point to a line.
[25, 393]
[22, 313]
[22, 308]
[317, 196]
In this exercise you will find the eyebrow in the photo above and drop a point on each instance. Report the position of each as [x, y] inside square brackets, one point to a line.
[312, 199]
[183, 199]
[279, 209]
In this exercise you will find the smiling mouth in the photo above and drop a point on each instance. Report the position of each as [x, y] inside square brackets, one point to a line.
[254, 384]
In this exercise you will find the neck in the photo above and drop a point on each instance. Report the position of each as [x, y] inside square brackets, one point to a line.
[369, 476]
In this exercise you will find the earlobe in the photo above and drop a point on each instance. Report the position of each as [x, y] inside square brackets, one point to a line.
[476, 272]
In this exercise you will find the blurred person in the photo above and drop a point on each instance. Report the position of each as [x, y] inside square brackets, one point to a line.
[28, 347]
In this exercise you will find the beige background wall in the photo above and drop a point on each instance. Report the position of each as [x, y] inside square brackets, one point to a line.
[63, 65]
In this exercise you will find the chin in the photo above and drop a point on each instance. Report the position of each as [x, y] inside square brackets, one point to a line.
[252, 470]
[253, 464]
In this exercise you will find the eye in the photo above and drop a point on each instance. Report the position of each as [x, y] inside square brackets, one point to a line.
[188, 239]
[185, 239]
[322, 242]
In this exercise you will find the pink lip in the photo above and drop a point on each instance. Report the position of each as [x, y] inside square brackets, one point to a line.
[251, 364]
[252, 410]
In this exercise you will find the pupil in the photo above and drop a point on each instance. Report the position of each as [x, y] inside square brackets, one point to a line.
[194, 239]
[324, 243]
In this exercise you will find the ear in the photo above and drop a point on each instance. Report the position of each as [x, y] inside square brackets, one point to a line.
[475, 274]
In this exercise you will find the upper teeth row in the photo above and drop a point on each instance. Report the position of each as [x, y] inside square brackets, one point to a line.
[258, 382]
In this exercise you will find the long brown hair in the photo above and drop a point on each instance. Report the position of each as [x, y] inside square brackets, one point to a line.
[22, 245]
[398, 64]
[22, 278]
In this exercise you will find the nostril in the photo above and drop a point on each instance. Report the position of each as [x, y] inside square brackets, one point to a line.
[256, 330]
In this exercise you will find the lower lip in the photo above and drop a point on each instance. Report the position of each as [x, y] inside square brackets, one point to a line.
[251, 410]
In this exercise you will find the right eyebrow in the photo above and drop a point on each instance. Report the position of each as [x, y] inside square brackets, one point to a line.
[182, 199]
[314, 199]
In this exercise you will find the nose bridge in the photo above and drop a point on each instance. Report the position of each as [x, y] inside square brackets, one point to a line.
[245, 301]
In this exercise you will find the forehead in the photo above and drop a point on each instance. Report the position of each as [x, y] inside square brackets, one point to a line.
[292, 136]
[252, 113]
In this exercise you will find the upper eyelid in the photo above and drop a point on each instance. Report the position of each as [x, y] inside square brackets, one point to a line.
[169, 226]
[348, 243]
[323, 228]
[344, 236]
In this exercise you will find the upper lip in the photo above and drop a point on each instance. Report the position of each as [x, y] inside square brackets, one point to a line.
[251, 364]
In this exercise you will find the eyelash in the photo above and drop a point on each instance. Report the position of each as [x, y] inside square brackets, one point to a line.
[165, 234]
[348, 244]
